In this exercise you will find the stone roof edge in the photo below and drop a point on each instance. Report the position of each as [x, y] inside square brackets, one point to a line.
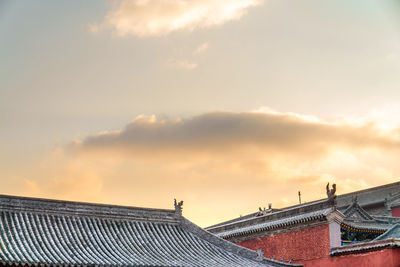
[227, 245]
[388, 232]
[365, 246]
[330, 216]
[369, 189]
[85, 209]
[358, 225]
[288, 212]
[281, 210]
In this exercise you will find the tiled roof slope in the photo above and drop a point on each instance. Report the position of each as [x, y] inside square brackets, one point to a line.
[300, 214]
[309, 216]
[368, 196]
[393, 232]
[356, 211]
[363, 247]
[374, 225]
[61, 233]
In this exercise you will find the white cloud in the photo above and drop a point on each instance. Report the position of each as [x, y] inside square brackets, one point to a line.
[160, 17]
[209, 159]
[182, 64]
[201, 49]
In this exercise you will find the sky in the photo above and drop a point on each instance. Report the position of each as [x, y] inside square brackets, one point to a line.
[228, 105]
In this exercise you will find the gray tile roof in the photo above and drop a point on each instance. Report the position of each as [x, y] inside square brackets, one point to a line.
[357, 217]
[305, 217]
[368, 196]
[355, 210]
[49, 232]
[363, 247]
[296, 216]
[393, 232]
[368, 225]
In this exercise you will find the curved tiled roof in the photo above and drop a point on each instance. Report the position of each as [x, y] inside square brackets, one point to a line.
[305, 217]
[363, 247]
[370, 196]
[48, 232]
[356, 210]
[367, 225]
[393, 232]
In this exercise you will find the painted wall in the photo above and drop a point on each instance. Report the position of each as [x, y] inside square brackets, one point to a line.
[396, 211]
[386, 258]
[299, 245]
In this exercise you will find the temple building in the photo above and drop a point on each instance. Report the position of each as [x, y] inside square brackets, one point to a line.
[357, 229]
[377, 201]
[43, 232]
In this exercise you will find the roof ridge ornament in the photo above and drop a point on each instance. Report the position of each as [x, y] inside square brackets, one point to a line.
[331, 193]
[178, 207]
[260, 254]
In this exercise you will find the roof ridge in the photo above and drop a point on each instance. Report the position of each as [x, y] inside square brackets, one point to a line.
[280, 210]
[355, 207]
[227, 245]
[369, 189]
[290, 212]
[85, 209]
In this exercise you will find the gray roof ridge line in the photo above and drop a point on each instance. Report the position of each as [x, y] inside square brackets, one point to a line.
[227, 245]
[274, 214]
[75, 208]
[362, 246]
[274, 225]
[388, 232]
[355, 207]
[369, 189]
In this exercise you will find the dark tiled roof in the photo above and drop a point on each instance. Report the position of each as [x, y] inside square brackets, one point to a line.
[358, 218]
[365, 197]
[372, 225]
[355, 210]
[393, 232]
[369, 196]
[50, 232]
[279, 223]
[284, 219]
[363, 247]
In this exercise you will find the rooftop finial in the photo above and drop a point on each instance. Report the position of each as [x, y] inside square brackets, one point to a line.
[260, 254]
[178, 207]
[299, 197]
[331, 192]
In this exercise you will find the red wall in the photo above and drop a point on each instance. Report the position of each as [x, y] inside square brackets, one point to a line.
[396, 211]
[305, 244]
[386, 257]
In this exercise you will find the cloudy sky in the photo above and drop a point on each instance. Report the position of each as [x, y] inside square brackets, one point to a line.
[228, 105]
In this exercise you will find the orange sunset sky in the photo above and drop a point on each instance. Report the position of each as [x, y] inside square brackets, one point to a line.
[228, 105]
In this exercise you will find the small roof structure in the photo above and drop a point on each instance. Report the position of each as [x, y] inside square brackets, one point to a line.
[47, 232]
[356, 211]
[357, 219]
[307, 214]
[380, 196]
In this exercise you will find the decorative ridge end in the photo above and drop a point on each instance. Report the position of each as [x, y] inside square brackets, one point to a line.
[178, 207]
[260, 254]
[331, 193]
